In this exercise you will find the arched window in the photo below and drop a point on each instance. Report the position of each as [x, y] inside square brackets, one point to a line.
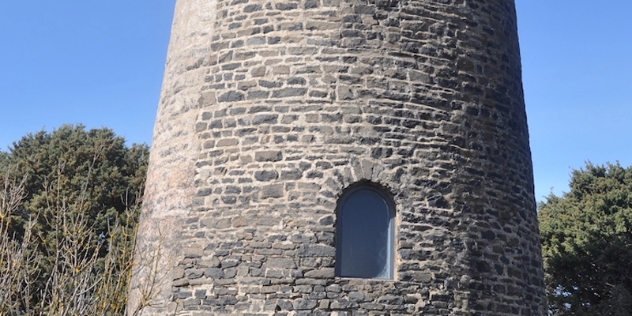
[364, 234]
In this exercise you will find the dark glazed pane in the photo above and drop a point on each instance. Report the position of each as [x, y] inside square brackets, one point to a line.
[364, 235]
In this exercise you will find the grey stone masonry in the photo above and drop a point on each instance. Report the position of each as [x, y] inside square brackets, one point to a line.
[270, 110]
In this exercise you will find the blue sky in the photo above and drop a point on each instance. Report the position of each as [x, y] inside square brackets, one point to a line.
[100, 63]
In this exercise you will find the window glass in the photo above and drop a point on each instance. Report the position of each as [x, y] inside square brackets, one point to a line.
[365, 234]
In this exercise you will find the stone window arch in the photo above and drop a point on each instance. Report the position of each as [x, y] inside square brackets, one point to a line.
[365, 233]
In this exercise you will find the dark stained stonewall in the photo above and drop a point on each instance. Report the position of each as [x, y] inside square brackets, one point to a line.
[270, 110]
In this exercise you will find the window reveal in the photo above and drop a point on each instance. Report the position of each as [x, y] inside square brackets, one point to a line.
[364, 234]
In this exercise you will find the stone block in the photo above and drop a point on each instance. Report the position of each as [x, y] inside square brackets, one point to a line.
[231, 96]
[214, 273]
[272, 191]
[289, 92]
[316, 250]
[324, 273]
[269, 155]
[304, 304]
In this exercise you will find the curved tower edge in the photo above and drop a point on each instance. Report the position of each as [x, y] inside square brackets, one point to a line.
[170, 187]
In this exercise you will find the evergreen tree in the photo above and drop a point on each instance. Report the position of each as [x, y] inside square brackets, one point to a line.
[587, 243]
[79, 205]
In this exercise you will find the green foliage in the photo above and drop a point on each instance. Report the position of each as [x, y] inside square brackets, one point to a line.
[587, 243]
[77, 212]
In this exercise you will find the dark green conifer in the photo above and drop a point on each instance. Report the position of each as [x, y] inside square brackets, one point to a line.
[78, 182]
[587, 243]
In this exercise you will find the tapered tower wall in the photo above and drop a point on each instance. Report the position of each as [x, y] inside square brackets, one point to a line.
[271, 110]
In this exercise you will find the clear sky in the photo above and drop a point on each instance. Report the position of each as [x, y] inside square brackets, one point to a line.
[100, 63]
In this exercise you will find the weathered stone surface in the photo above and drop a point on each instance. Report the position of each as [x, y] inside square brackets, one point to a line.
[304, 304]
[231, 96]
[214, 273]
[272, 191]
[288, 92]
[311, 250]
[324, 273]
[268, 155]
[270, 110]
[266, 175]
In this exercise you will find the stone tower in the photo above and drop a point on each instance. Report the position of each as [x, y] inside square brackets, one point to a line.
[340, 157]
